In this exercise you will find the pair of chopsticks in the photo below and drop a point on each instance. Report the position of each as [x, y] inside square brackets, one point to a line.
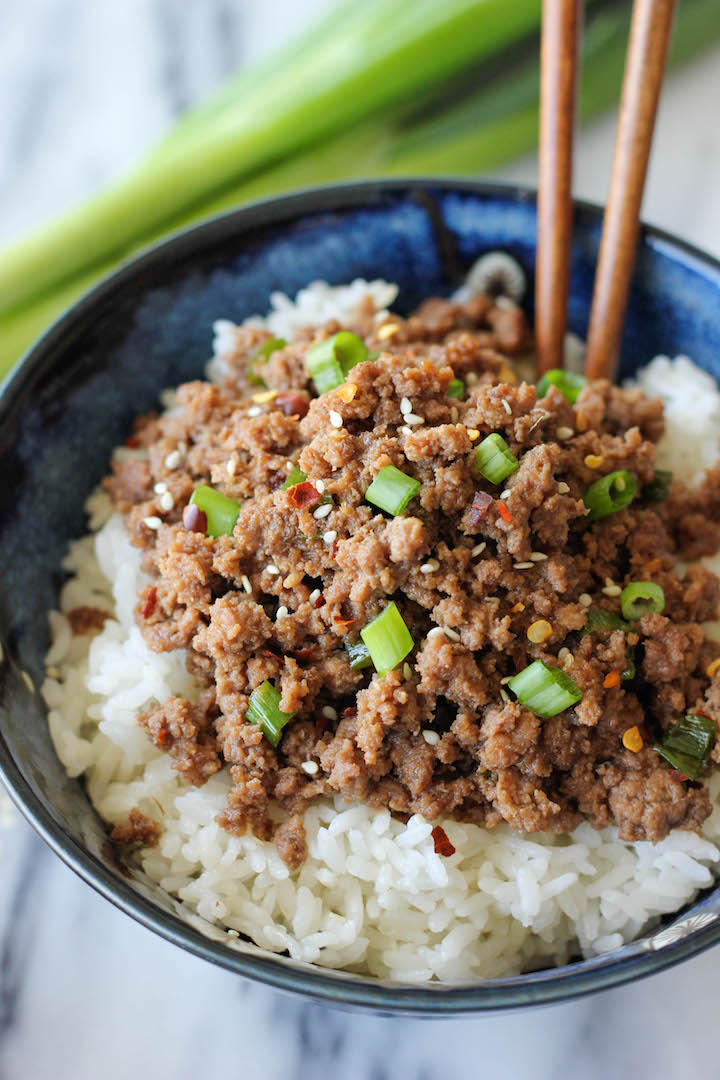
[644, 67]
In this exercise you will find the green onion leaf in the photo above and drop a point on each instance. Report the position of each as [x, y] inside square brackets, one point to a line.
[495, 460]
[603, 620]
[687, 744]
[392, 490]
[388, 639]
[544, 690]
[456, 388]
[329, 362]
[566, 382]
[221, 512]
[612, 493]
[264, 709]
[358, 655]
[297, 476]
[629, 672]
[659, 487]
[265, 350]
[640, 598]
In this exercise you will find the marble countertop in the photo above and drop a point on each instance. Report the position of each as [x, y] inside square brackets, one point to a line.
[84, 991]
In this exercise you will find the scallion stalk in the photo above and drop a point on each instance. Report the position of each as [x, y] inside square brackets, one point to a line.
[264, 709]
[220, 510]
[566, 382]
[388, 639]
[687, 744]
[329, 362]
[392, 490]
[495, 460]
[544, 690]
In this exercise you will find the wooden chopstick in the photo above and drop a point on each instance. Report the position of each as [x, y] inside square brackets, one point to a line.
[647, 51]
[558, 80]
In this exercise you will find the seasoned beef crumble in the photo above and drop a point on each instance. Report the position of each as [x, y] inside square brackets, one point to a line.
[282, 597]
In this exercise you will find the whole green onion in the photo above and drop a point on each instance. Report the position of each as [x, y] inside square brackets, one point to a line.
[640, 598]
[221, 511]
[264, 709]
[456, 388]
[392, 490]
[358, 655]
[330, 360]
[296, 476]
[495, 460]
[612, 493]
[265, 350]
[388, 639]
[544, 690]
[659, 487]
[688, 743]
[566, 382]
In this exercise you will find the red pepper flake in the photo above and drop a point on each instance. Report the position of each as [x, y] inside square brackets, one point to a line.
[349, 713]
[677, 775]
[611, 679]
[504, 512]
[441, 842]
[150, 603]
[320, 601]
[132, 442]
[270, 654]
[304, 495]
[292, 403]
[478, 508]
[344, 625]
[194, 519]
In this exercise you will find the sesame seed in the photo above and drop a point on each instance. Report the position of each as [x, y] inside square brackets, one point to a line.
[160, 488]
[329, 713]
[538, 556]
[233, 933]
[565, 433]
[310, 767]
[272, 570]
[506, 407]
[454, 414]
[173, 459]
[166, 501]
[612, 590]
[505, 494]
[407, 671]
[405, 431]
[335, 419]
[152, 522]
[609, 581]
[436, 631]
[568, 661]
[330, 536]
[431, 737]
[539, 631]
[314, 595]
[563, 488]
[322, 511]
[254, 411]
[289, 466]
[522, 565]
[405, 406]
[245, 582]
[563, 654]
[413, 420]
[281, 613]
[471, 378]
[504, 695]
[451, 634]
[585, 599]
[387, 330]
[506, 680]
[293, 579]
[430, 566]
[319, 486]
[479, 548]
[231, 466]
[473, 434]
[264, 396]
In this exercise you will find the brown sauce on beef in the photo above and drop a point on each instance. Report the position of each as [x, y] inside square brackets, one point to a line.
[439, 735]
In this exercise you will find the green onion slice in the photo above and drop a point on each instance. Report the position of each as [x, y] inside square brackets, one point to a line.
[388, 639]
[264, 709]
[640, 598]
[566, 382]
[495, 460]
[359, 656]
[221, 512]
[297, 476]
[687, 744]
[612, 493]
[544, 690]
[456, 388]
[392, 490]
[659, 487]
[329, 361]
[603, 620]
[629, 672]
[265, 350]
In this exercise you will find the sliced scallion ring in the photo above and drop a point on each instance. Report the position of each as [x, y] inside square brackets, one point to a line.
[392, 490]
[641, 598]
[609, 494]
[495, 460]
[329, 362]
[687, 744]
[544, 690]
[388, 639]
[220, 510]
[264, 709]
[566, 382]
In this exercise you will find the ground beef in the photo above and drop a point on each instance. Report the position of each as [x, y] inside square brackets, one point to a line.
[481, 565]
[138, 831]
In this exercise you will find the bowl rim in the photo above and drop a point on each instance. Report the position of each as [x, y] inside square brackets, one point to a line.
[321, 984]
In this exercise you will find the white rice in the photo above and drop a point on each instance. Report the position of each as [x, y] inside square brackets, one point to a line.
[372, 896]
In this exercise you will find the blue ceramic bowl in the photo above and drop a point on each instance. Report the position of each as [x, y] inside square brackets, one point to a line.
[149, 326]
